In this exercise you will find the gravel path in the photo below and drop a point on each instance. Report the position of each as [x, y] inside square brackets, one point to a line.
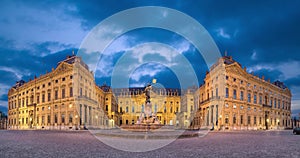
[215, 144]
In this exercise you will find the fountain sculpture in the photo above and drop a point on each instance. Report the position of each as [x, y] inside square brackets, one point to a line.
[147, 120]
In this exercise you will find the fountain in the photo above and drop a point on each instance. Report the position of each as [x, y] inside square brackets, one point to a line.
[147, 120]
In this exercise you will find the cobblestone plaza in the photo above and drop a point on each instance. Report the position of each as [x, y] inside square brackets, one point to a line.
[42, 143]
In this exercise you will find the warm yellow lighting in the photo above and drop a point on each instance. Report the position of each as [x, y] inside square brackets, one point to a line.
[220, 116]
[76, 116]
[49, 107]
[70, 106]
[30, 119]
[96, 116]
[154, 80]
[277, 120]
[268, 120]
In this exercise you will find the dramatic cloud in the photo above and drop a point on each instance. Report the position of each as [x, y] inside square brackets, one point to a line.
[264, 36]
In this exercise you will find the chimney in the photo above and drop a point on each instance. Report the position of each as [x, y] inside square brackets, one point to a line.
[245, 68]
[263, 77]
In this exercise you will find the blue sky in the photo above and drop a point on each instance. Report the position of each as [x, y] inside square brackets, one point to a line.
[264, 36]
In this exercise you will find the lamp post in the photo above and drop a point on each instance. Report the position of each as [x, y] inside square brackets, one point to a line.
[76, 116]
[267, 123]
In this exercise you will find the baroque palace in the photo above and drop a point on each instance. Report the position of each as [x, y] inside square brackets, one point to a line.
[68, 98]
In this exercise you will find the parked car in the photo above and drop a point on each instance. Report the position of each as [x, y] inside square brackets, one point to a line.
[296, 130]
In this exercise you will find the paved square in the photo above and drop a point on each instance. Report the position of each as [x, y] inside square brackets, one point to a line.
[215, 144]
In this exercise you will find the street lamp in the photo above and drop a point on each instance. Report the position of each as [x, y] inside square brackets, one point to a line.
[220, 122]
[76, 116]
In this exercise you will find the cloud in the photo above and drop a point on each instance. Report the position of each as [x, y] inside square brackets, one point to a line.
[149, 70]
[221, 32]
[254, 56]
[288, 69]
[27, 23]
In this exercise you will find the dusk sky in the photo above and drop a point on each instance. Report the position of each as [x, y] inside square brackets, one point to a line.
[264, 36]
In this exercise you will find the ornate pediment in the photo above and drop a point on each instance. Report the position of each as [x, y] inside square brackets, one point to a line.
[63, 67]
[236, 69]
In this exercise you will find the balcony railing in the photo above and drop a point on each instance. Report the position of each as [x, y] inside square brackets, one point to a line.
[266, 105]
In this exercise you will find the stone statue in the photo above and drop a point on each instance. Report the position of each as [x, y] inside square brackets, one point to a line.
[148, 92]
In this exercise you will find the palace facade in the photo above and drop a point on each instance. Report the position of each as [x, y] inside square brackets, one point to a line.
[165, 104]
[231, 98]
[65, 98]
[68, 98]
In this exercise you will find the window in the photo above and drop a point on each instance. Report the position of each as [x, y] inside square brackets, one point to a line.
[217, 93]
[71, 77]
[255, 99]
[227, 93]
[43, 98]
[49, 96]
[132, 109]
[56, 94]
[165, 109]
[242, 81]
[155, 108]
[234, 94]
[71, 91]
[37, 100]
[62, 118]
[126, 108]
[63, 79]
[70, 118]
[143, 108]
[275, 102]
[80, 92]
[234, 79]
[56, 81]
[249, 121]
[242, 107]
[227, 77]
[49, 84]
[271, 101]
[226, 105]
[226, 119]
[106, 108]
[242, 96]
[63, 93]
[55, 118]
[241, 119]
[259, 120]
[234, 119]
[260, 99]
[234, 106]
[48, 119]
[249, 97]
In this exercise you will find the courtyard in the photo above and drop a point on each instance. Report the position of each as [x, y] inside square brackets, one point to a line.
[42, 143]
